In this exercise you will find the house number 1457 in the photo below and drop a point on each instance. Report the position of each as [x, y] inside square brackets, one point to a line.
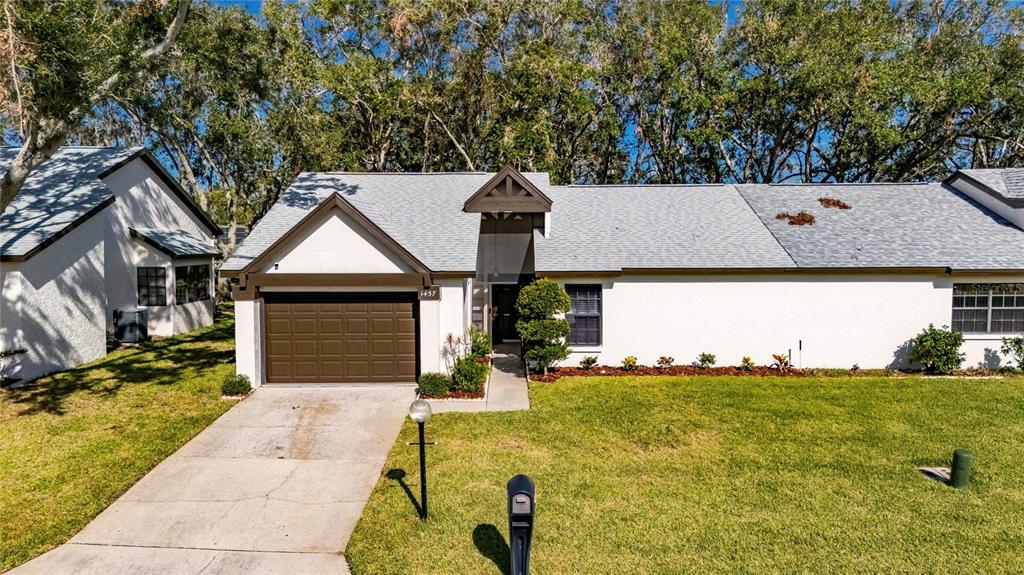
[430, 293]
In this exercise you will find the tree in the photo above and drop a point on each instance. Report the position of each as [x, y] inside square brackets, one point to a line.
[543, 332]
[62, 59]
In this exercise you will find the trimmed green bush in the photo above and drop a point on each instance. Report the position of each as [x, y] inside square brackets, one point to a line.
[588, 362]
[937, 349]
[543, 333]
[434, 384]
[469, 374]
[706, 360]
[236, 385]
[479, 342]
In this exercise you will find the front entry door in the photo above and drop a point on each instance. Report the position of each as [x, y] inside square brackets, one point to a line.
[503, 300]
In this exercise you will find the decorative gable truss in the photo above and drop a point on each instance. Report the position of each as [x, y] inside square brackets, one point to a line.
[508, 191]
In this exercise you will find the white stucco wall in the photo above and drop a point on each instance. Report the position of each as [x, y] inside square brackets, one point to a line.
[248, 347]
[841, 320]
[337, 245]
[144, 201]
[54, 303]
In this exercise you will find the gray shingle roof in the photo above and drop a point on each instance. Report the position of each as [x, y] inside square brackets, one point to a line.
[888, 225]
[1008, 182]
[177, 243]
[614, 227]
[608, 228]
[422, 212]
[55, 195]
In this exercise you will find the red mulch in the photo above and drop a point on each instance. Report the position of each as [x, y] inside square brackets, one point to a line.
[556, 373]
[459, 395]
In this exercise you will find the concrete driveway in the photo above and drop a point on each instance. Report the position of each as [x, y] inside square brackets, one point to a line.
[275, 485]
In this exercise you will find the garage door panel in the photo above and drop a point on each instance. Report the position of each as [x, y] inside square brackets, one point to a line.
[357, 326]
[383, 325]
[357, 369]
[279, 325]
[383, 347]
[339, 341]
[306, 369]
[304, 348]
[333, 369]
[332, 347]
[406, 347]
[330, 326]
[279, 347]
[304, 326]
[357, 347]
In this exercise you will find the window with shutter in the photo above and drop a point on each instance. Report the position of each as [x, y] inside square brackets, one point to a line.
[585, 315]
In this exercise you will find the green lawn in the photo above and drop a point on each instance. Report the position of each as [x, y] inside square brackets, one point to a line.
[716, 475]
[73, 442]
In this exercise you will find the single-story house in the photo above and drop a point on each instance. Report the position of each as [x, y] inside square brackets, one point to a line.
[359, 277]
[91, 231]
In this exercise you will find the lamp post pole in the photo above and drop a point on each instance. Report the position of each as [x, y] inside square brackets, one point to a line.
[419, 412]
[423, 472]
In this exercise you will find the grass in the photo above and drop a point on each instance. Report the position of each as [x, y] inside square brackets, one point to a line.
[715, 475]
[73, 442]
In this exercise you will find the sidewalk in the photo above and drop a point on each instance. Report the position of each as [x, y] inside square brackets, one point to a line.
[506, 391]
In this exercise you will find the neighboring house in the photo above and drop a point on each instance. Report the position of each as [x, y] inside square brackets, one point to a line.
[359, 277]
[94, 230]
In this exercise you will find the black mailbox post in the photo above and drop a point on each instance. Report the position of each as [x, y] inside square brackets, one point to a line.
[522, 497]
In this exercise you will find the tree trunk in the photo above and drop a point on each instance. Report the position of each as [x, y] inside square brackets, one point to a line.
[33, 153]
[29, 157]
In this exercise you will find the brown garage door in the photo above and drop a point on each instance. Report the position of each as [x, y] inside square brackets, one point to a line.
[341, 338]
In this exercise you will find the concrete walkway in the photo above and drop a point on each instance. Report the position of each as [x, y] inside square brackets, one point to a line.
[275, 485]
[506, 391]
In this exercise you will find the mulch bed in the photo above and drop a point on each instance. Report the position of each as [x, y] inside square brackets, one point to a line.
[556, 373]
[459, 395]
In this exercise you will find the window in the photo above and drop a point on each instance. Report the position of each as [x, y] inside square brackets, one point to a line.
[152, 285]
[585, 315]
[191, 283]
[988, 308]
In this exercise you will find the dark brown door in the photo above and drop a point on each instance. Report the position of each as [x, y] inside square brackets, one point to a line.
[341, 338]
[505, 314]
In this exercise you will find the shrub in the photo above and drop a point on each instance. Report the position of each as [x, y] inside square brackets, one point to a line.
[1014, 347]
[469, 374]
[543, 333]
[479, 342]
[706, 360]
[236, 385]
[629, 363]
[434, 384]
[747, 364]
[937, 349]
[665, 361]
[781, 361]
[588, 362]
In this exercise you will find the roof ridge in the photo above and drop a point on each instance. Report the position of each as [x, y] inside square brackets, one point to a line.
[764, 224]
